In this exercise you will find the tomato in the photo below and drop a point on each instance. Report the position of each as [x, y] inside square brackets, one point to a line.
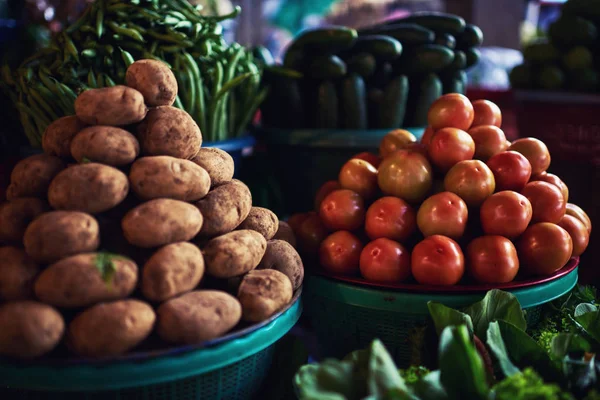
[449, 146]
[492, 259]
[340, 253]
[384, 260]
[505, 213]
[578, 232]
[535, 151]
[443, 214]
[471, 180]
[371, 158]
[296, 220]
[555, 180]
[489, 141]
[577, 212]
[323, 191]
[437, 260]
[359, 176]
[427, 135]
[544, 248]
[486, 113]
[511, 170]
[392, 218]
[452, 110]
[416, 147]
[309, 235]
[546, 200]
[342, 210]
[394, 141]
[405, 174]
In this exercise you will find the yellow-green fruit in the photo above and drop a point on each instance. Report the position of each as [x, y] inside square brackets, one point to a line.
[551, 78]
[578, 58]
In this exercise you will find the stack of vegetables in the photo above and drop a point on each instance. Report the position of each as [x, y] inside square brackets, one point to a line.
[381, 77]
[219, 82]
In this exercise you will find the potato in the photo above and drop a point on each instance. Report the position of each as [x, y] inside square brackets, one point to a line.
[169, 131]
[77, 281]
[29, 329]
[106, 145]
[91, 188]
[262, 293]
[16, 215]
[261, 220]
[114, 106]
[174, 269]
[224, 208]
[161, 221]
[59, 234]
[57, 137]
[154, 80]
[168, 177]
[17, 273]
[218, 163]
[32, 176]
[282, 256]
[110, 329]
[234, 253]
[286, 233]
[197, 316]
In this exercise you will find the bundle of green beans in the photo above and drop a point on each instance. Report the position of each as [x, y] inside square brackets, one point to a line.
[219, 83]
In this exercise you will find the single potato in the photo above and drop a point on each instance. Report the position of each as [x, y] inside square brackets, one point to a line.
[91, 188]
[17, 274]
[154, 80]
[59, 234]
[29, 329]
[198, 316]
[110, 329]
[234, 253]
[113, 106]
[86, 279]
[285, 232]
[16, 215]
[218, 163]
[169, 131]
[161, 221]
[106, 145]
[174, 269]
[56, 140]
[168, 177]
[262, 293]
[32, 176]
[282, 256]
[224, 208]
[261, 220]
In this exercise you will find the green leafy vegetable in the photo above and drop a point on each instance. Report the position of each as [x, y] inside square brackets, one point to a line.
[430, 387]
[311, 388]
[564, 343]
[383, 374]
[413, 374]
[528, 385]
[445, 316]
[584, 308]
[590, 322]
[496, 344]
[496, 305]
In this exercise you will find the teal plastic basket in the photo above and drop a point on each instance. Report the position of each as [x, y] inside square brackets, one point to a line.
[231, 369]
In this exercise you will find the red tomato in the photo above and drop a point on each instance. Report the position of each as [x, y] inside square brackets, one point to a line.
[416, 147]
[443, 214]
[371, 158]
[578, 232]
[390, 217]
[323, 191]
[505, 213]
[342, 210]
[486, 113]
[489, 141]
[511, 170]
[577, 212]
[452, 110]
[449, 146]
[471, 180]
[427, 135]
[394, 141]
[340, 253]
[492, 259]
[553, 179]
[309, 235]
[535, 151]
[405, 174]
[437, 260]
[384, 260]
[546, 200]
[295, 220]
[360, 177]
[544, 248]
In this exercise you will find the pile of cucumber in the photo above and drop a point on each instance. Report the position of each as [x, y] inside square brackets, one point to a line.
[380, 77]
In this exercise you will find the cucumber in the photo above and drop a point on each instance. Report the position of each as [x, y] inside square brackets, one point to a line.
[393, 105]
[425, 59]
[374, 103]
[262, 55]
[473, 55]
[589, 9]
[283, 107]
[273, 71]
[423, 93]
[353, 102]
[436, 21]
[382, 76]
[328, 40]
[363, 64]
[570, 31]
[405, 33]
[326, 112]
[540, 52]
[445, 39]
[294, 59]
[326, 67]
[455, 82]
[472, 36]
[459, 61]
[584, 80]
[381, 47]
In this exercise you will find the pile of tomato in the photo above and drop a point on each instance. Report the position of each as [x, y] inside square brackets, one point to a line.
[462, 204]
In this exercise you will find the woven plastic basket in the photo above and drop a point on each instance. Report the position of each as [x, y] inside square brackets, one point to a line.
[233, 367]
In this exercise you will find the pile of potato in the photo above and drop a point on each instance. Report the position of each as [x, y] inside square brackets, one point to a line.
[126, 230]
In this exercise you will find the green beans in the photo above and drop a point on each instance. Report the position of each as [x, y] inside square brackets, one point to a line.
[100, 20]
[128, 32]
